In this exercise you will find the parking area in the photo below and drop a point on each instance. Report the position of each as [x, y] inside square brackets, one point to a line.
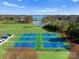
[4, 38]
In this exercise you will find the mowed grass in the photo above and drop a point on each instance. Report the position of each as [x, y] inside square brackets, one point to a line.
[53, 55]
[17, 29]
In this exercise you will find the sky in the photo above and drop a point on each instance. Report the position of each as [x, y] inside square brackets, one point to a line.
[39, 7]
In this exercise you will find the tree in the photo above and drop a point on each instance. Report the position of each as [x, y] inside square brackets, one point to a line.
[28, 19]
[74, 36]
[73, 33]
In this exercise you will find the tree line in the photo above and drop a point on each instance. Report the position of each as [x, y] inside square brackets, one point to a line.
[69, 27]
[16, 19]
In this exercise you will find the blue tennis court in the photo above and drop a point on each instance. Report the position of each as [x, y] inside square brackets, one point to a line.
[25, 45]
[53, 45]
[54, 39]
[46, 40]
[24, 39]
[49, 34]
[29, 34]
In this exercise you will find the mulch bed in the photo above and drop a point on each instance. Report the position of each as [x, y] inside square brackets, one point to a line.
[20, 53]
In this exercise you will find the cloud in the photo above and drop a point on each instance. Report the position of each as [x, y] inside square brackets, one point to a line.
[12, 5]
[75, 0]
[47, 10]
[19, 0]
[63, 6]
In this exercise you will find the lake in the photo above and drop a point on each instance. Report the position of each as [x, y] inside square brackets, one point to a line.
[37, 23]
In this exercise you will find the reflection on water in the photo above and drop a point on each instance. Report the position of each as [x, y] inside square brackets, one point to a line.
[37, 23]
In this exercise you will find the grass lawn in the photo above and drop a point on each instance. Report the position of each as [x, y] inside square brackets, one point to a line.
[18, 29]
[53, 55]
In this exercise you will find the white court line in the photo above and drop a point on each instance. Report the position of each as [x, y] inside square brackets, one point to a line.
[6, 40]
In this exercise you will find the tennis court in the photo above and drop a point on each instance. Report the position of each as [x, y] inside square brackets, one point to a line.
[53, 45]
[27, 39]
[29, 34]
[24, 45]
[45, 40]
